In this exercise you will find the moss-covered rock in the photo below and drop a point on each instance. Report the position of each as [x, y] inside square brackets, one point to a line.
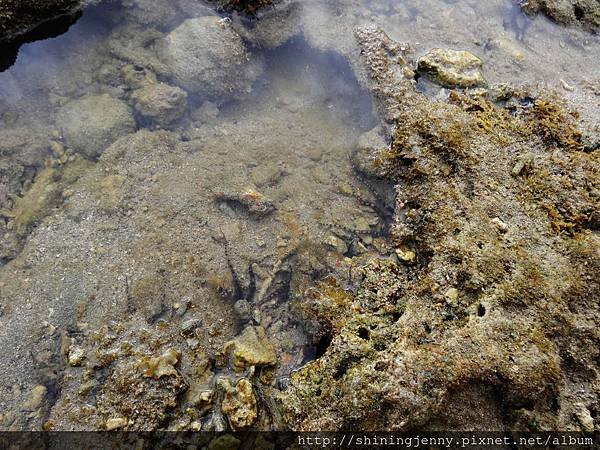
[251, 348]
[239, 403]
[501, 289]
[585, 13]
[452, 68]
[92, 123]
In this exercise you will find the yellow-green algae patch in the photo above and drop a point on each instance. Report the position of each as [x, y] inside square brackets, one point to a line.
[46, 193]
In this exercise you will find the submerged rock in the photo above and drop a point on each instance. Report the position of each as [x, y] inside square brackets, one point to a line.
[585, 13]
[363, 157]
[239, 403]
[452, 68]
[257, 205]
[248, 6]
[160, 102]
[161, 366]
[208, 57]
[251, 348]
[90, 124]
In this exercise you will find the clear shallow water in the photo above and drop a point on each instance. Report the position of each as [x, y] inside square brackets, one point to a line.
[169, 212]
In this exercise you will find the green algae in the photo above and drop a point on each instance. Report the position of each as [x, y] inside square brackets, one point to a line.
[46, 193]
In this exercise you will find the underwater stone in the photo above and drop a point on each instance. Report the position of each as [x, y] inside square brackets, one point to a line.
[363, 157]
[90, 124]
[255, 203]
[251, 348]
[76, 356]
[336, 244]
[115, 423]
[208, 57]
[585, 13]
[160, 102]
[452, 68]
[190, 325]
[239, 403]
[161, 366]
[137, 77]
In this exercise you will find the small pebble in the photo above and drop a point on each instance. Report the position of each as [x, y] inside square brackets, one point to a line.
[115, 423]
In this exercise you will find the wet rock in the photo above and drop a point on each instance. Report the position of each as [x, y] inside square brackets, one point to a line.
[452, 68]
[336, 244]
[159, 102]
[253, 202]
[17, 17]
[76, 356]
[248, 6]
[137, 77]
[275, 27]
[243, 309]
[239, 403]
[115, 423]
[251, 348]
[190, 325]
[90, 124]
[143, 402]
[162, 366]
[369, 144]
[585, 13]
[208, 57]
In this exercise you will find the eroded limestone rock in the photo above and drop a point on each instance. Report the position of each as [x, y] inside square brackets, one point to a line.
[452, 68]
[239, 403]
[251, 348]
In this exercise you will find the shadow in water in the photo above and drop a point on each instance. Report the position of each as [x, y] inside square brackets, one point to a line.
[50, 29]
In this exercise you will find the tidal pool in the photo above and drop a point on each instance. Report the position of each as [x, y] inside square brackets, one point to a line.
[172, 179]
